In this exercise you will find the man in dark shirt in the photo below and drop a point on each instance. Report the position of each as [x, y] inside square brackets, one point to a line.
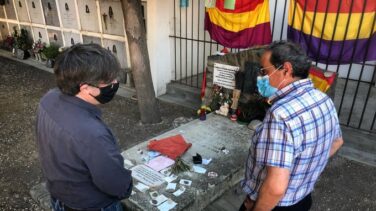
[80, 156]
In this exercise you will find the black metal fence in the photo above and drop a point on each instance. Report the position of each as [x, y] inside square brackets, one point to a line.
[355, 90]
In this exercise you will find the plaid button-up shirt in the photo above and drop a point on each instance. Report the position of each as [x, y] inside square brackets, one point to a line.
[297, 134]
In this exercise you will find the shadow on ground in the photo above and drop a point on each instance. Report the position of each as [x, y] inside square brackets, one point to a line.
[21, 87]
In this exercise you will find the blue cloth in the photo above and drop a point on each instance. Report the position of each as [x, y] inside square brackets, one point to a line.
[59, 206]
[79, 155]
[296, 134]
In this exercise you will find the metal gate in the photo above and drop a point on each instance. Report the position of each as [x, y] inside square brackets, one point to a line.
[355, 97]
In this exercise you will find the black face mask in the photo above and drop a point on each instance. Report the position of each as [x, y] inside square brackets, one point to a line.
[107, 93]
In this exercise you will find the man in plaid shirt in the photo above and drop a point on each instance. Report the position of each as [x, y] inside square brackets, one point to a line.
[290, 149]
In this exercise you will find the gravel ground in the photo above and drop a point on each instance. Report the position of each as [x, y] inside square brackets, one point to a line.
[345, 185]
[21, 87]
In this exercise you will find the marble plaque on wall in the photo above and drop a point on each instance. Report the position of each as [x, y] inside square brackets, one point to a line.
[118, 49]
[9, 9]
[4, 30]
[112, 17]
[35, 10]
[88, 15]
[40, 34]
[50, 12]
[22, 11]
[55, 37]
[89, 39]
[71, 38]
[68, 14]
[2, 13]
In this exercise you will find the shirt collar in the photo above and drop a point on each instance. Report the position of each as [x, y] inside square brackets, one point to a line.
[290, 88]
[83, 104]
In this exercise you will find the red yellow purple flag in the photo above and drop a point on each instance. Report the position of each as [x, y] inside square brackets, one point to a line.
[246, 25]
[334, 31]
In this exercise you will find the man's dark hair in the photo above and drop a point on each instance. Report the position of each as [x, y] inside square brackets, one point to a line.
[284, 51]
[85, 63]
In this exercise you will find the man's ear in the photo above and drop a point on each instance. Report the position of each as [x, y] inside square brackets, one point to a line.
[287, 66]
[84, 88]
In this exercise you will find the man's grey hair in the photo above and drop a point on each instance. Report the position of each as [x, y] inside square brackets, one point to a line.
[85, 63]
[285, 51]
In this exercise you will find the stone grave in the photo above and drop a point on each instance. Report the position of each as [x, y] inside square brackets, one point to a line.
[208, 138]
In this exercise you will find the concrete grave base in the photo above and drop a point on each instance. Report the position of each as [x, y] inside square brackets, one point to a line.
[207, 138]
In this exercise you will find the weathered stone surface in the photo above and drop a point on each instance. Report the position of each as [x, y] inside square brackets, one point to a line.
[207, 138]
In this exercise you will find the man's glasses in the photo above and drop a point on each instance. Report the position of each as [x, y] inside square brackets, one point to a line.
[262, 71]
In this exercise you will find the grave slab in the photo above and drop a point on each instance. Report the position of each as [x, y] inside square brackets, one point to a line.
[208, 138]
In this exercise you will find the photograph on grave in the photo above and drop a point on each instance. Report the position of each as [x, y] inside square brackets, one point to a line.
[22, 13]
[35, 11]
[88, 15]
[50, 12]
[68, 14]
[9, 9]
[112, 17]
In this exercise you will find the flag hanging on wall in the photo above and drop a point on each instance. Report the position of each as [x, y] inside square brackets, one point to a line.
[325, 36]
[248, 24]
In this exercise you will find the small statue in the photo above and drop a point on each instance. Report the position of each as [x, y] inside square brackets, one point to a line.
[223, 110]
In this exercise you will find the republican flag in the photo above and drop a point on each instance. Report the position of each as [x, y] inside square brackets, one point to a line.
[248, 24]
[325, 37]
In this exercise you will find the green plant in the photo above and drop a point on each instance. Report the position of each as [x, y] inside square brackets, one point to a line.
[51, 51]
[21, 40]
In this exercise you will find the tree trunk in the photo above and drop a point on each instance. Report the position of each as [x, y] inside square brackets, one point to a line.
[135, 29]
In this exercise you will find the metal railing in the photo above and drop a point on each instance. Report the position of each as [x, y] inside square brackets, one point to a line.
[355, 91]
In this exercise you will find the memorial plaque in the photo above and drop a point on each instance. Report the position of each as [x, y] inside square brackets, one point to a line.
[68, 14]
[23, 16]
[71, 38]
[9, 9]
[224, 75]
[55, 37]
[147, 176]
[50, 12]
[4, 30]
[118, 49]
[112, 18]
[35, 10]
[88, 15]
[40, 34]
[2, 13]
[90, 39]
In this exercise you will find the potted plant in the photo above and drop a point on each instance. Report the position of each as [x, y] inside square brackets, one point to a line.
[22, 44]
[51, 52]
[8, 43]
[203, 111]
[37, 48]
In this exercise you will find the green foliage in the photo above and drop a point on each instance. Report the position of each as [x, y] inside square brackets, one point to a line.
[51, 51]
[21, 40]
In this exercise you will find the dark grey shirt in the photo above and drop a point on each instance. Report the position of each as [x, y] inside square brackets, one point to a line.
[79, 154]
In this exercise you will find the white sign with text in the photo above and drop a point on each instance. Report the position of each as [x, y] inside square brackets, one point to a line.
[224, 75]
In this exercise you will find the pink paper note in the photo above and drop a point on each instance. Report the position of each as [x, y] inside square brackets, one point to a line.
[160, 163]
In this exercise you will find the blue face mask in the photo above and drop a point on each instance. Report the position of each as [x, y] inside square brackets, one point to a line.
[263, 86]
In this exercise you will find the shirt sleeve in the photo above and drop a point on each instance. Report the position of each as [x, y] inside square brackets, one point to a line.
[274, 145]
[106, 165]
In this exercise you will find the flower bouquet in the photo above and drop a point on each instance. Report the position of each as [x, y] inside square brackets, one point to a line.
[203, 111]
